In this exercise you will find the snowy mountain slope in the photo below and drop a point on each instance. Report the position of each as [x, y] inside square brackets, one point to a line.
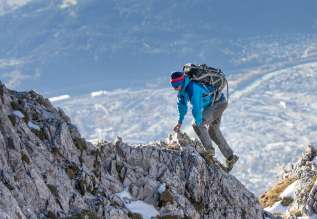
[271, 115]
[276, 115]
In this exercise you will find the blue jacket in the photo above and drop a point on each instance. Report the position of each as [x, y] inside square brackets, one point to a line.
[197, 94]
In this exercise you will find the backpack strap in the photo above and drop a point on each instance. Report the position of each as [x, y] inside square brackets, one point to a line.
[213, 93]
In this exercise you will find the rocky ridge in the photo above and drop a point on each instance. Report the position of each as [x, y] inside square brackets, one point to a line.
[295, 195]
[47, 170]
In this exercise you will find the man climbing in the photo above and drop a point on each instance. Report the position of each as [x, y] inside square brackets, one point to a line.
[207, 109]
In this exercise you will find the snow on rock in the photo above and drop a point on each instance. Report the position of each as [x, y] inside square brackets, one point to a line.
[18, 114]
[146, 210]
[59, 98]
[277, 208]
[289, 192]
[124, 194]
[300, 195]
[33, 126]
[162, 188]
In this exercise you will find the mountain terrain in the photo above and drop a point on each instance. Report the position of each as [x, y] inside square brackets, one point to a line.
[49, 171]
[270, 117]
[294, 196]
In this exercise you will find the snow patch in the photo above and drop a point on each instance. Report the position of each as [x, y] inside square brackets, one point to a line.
[124, 195]
[98, 93]
[146, 210]
[289, 192]
[277, 208]
[18, 113]
[59, 98]
[161, 188]
[104, 92]
[33, 126]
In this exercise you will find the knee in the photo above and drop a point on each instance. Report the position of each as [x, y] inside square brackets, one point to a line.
[199, 128]
[212, 129]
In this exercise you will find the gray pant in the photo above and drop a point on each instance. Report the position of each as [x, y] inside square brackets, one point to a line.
[211, 119]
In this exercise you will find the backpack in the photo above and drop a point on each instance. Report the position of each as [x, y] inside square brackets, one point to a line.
[206, 76]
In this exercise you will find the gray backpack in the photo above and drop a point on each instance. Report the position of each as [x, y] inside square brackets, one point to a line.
[206, 76]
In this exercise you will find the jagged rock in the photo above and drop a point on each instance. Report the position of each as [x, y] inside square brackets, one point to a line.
[49, 171]
[300, 192]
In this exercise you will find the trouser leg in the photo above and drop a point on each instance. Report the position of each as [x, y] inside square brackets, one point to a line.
[217, 136]
[212, 117]
[203, 135]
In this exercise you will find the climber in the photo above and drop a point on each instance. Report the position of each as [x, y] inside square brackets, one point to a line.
[207, 111]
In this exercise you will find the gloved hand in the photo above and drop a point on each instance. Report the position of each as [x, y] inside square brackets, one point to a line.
[177, 127]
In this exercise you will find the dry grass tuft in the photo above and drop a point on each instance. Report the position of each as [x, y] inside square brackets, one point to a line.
[268, 198]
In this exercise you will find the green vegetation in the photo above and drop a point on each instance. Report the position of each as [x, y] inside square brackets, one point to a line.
[40, 134]
[135, 215]
[25, 158]
[97, 168]
[287, 201]
[36, 116]
[81, 187]
[26, 117]
[13, 120]
[72, 171]
[85, 214]
[56, 152]
[51, 215]
[97, 164]
[15, 105]
[199, 206]
[53, 189]
[80, 144]
[296, 213]
[165, 198]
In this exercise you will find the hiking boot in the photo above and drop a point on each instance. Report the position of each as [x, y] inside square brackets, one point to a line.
[231, 161]
[208, 155]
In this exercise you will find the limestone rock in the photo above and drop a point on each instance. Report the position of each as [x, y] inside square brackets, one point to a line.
[298, 195]
[47, 170]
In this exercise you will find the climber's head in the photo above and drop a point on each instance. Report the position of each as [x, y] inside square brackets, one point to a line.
[177, 80]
